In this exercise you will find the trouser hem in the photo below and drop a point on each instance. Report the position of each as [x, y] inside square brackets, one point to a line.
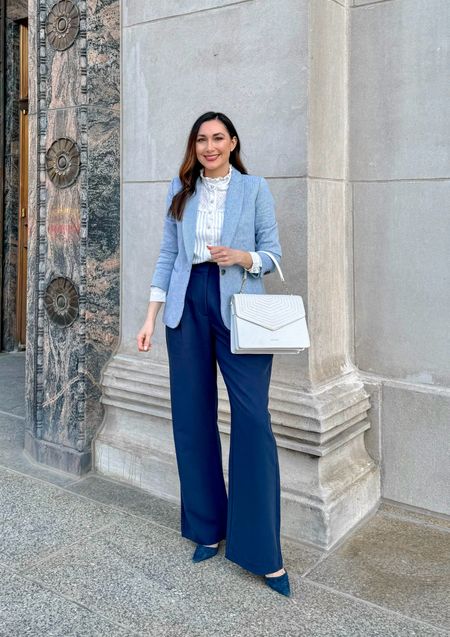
[197, 540]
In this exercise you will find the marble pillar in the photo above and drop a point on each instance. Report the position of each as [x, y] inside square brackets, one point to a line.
[10, 232]
[16, 9]
[74, 231]
[9, 224]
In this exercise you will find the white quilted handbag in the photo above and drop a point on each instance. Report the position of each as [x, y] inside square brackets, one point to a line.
[268, 323]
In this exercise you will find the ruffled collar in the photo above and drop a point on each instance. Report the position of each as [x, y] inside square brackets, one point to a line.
[220, 183]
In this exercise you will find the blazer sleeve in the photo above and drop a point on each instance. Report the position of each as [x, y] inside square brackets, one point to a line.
[266, 229]
[169, 248]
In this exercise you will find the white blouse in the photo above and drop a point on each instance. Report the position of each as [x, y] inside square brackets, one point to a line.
[208, 230]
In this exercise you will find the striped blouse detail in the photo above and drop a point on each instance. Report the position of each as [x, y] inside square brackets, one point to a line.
[210, 213]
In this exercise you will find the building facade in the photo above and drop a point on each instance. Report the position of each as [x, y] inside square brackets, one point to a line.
[343, 106]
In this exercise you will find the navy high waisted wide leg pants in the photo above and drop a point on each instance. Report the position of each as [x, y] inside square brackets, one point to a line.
[249, 517]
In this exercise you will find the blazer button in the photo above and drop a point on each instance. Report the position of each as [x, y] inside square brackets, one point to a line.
[222, 271]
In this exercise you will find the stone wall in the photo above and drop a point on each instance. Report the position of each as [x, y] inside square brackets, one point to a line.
[399, 154]
[342, 106]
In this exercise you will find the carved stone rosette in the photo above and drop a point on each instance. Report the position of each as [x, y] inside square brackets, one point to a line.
[61, 301]
[63, 162]
[62, 25]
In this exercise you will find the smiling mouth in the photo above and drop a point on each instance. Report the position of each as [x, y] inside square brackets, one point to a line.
[211, 157]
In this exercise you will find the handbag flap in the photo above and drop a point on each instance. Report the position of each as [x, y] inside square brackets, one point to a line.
[271, 311]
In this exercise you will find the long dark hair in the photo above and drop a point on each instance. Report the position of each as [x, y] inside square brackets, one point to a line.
[190, 168]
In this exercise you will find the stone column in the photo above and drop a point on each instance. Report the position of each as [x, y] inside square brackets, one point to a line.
[290, 104]
[73, 263]
[10, 199]
[320, 411]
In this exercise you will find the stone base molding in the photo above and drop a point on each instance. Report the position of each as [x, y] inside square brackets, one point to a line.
[329, 482]
[57, 456]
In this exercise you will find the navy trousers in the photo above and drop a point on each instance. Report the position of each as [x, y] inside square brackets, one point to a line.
[249, 516]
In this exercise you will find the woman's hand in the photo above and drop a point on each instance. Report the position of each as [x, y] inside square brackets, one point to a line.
[144, 338]
[229, 256]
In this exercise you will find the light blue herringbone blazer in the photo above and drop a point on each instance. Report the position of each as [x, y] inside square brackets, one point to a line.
[249, 224]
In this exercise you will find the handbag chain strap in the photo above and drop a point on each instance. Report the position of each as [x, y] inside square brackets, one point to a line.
[244, 275]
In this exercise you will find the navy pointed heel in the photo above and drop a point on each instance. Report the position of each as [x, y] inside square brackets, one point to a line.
[203, 552]
[280, 583]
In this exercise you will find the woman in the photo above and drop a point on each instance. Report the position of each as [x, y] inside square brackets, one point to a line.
[214, 205]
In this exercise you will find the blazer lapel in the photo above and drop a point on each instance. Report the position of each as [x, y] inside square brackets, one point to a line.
[233, 208]
[189, 221]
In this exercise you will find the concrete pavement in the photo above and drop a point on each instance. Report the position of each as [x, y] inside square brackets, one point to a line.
[90, 556]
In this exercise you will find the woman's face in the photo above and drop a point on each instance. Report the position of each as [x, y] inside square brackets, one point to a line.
[213, 147]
